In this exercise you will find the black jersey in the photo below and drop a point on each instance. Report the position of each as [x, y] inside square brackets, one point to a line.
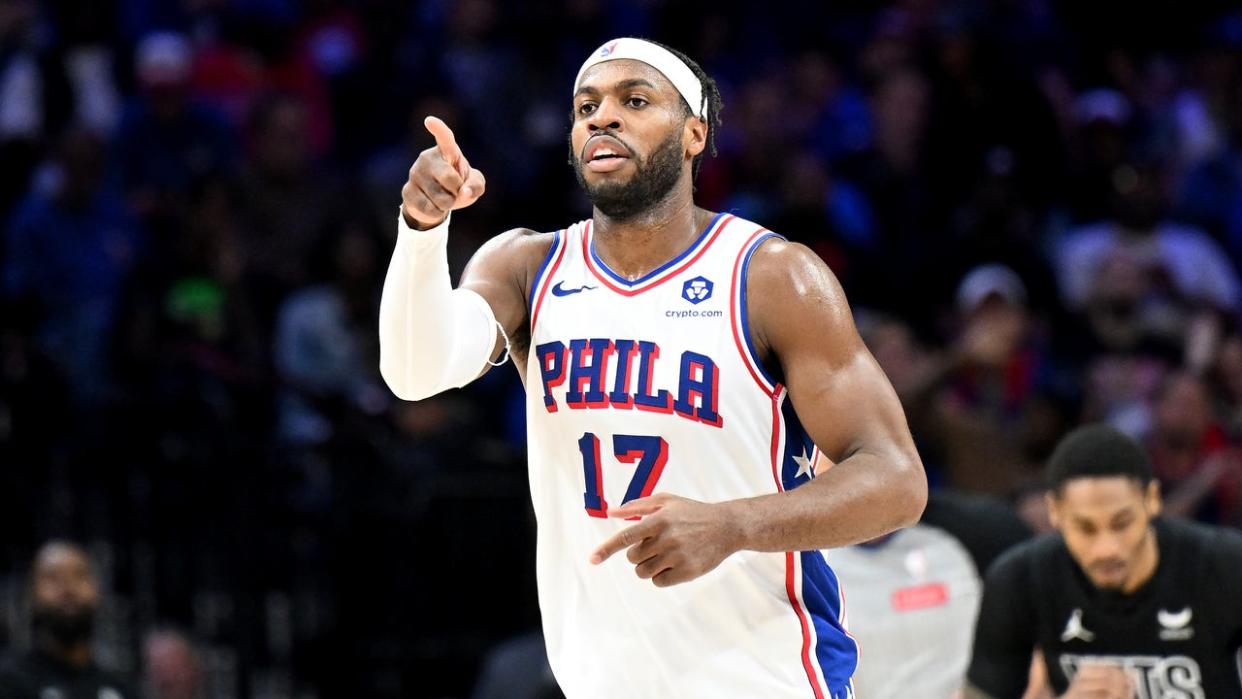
[37, 675]
[1178, 636]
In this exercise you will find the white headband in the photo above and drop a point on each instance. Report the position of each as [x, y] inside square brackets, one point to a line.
[658, 57]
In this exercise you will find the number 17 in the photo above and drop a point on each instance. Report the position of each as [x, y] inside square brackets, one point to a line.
[651, 453]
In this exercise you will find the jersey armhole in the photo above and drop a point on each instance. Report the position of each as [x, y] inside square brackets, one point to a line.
[739, 313]
[547, 270]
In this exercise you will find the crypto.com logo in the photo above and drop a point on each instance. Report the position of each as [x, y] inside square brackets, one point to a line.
[697, 290]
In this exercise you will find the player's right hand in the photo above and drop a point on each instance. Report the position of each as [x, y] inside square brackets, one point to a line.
[441, 180]
[1100, 681]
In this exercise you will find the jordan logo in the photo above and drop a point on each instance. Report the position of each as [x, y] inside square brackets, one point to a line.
[1075, 630]
[559, 290]
[1175, 626]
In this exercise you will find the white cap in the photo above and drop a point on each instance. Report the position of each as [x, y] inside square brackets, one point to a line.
[658, 57]
[985, 281]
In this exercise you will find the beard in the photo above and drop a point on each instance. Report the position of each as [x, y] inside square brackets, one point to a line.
[654, 177]
[66, 627]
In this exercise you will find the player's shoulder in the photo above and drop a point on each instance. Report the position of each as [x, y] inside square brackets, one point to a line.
[538, 243]
[1218, 548]
[795, 301]
[523, 239]
[791, 272]
[518, 248]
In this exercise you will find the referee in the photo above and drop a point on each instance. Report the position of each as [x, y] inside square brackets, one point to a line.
[1118, 603]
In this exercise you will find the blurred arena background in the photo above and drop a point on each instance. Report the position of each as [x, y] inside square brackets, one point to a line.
[1035, 206]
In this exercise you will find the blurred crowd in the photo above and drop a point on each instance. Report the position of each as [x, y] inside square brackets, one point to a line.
[1034, 205]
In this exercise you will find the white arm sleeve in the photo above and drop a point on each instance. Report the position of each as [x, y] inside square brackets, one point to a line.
[432, 337]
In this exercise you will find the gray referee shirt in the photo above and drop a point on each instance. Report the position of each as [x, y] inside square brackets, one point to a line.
[911, 602]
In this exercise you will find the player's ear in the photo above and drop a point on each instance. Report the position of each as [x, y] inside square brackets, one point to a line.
[1054, 508]
[1152, 499]
[695, 136]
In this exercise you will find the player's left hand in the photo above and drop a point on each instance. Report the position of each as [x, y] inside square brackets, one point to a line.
[677, 540]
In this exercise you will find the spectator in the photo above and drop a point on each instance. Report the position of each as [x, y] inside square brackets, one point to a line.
[286, 202]
[987, 406]
[1200, 470]
[1100, 122]
[167, 140]
[1225, 380]
[323, 348]
[70, 250]
[64, 597]
[1175, 264]
[174, 669]
[1209, 195]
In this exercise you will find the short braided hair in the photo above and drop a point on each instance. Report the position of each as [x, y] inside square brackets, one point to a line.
[711, 94]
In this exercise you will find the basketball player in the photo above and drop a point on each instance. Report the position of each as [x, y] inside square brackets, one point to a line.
[1119, 603]
[663, 348]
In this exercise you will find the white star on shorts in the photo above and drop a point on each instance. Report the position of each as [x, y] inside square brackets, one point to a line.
[804, 464]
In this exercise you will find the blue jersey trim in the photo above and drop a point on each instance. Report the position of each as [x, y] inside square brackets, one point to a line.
[655, 272]
[835, 651]
[750, 347]
[556, 242]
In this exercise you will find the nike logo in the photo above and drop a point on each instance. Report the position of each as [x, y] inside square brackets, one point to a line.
[559, 291]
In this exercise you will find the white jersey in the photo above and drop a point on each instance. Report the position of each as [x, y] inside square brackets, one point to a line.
[635, 387]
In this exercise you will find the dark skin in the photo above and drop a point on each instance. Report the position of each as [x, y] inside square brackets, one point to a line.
[1107, 526]
[801, 327]
[62, 580]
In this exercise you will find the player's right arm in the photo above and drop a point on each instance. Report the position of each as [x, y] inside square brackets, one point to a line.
[1005, 634]
[434, 337]
[1005, 639]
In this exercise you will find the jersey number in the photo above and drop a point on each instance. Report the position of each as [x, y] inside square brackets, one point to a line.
[650, 452]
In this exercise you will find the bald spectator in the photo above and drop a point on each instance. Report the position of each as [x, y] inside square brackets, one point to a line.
[64, 597]
[174, 669]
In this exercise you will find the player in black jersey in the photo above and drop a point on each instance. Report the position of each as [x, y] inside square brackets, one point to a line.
[1119, 603]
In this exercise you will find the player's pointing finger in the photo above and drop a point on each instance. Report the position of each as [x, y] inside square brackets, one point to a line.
[447, 143]
[621, 540]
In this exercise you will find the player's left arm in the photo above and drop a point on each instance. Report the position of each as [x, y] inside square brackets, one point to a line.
[800, 318]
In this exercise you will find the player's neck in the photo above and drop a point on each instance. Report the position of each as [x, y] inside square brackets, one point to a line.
[1145, 566]
[635, 246]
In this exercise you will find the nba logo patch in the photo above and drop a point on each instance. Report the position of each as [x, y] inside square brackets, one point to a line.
[697, 290]
[607, 49]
